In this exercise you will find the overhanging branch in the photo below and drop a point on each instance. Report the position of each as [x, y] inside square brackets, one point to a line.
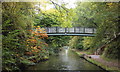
[55, 4]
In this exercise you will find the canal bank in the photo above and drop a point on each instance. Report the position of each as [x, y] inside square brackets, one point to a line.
[98, 61]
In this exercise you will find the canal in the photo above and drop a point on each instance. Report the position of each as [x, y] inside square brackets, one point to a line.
[67, 60]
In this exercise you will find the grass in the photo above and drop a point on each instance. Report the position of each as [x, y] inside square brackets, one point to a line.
[108, 59]
[110, 69]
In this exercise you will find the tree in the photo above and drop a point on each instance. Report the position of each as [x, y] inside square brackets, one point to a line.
[19, 43]
[104, 17]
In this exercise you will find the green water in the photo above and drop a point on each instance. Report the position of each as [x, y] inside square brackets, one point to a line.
[67, 60]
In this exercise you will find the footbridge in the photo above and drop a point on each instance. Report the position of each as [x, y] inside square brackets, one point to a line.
[74, 31]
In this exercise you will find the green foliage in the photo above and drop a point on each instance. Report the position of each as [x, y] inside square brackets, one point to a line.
[76, 42]
[112, 49]
[56, 42]
[18, 42]
[27, 62]
[53, 18]
[104, 17]
[108, 30]
[87, 42]
[18, 19]
[48, 20]
[10, 48]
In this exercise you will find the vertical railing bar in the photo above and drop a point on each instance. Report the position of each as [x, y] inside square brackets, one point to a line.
[65, 29]
[48, 29]
[74, 30]
[93, 30]
[79, 29]
[68, 30]
[52, 29]
[83, 29]
[55, 29]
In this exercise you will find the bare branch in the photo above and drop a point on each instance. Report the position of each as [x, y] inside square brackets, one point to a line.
[55, 4]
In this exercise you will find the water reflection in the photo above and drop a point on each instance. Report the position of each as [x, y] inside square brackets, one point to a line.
[66, 52]
[67, 60]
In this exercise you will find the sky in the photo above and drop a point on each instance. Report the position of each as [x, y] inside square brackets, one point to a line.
[70, 3]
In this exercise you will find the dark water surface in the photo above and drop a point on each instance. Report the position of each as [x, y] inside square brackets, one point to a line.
[67, 60]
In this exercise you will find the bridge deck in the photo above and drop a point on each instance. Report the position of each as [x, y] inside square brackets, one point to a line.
[71, 34]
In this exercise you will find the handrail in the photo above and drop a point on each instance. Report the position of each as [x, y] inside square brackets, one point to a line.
[73, 30]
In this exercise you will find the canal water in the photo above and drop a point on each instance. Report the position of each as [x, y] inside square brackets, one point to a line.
[67, 60]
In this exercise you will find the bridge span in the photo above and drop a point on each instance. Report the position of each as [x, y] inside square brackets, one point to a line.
[74, 31]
